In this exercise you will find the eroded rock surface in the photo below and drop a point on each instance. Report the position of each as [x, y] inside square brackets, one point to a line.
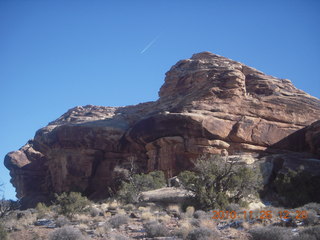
[208, 104]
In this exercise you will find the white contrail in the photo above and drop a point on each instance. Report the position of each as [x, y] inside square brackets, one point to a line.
[150, 44]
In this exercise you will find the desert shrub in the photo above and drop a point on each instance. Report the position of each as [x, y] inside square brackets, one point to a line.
[6, 206]
[304, 236]
[104, 229]
[66, 233]
[195, 222]
[200, 214]
[94, 212]
[120, 174]
[267, 233]
[201, 233]
[163, 218]
[312, 232]
[118, 237]
[62, 221]
[312, 206]
[155, 229]
[118, 220]
[181, 233]
[243, 204]
[217, 181]
[233, 207]
[107, 227]
[129, 191]
[158, 180]
[147, 216]
[129, 207]
[188, 179]
[311, 219]
[3, 232]
[174, 209]
[71, 203]
[288, 184]
[42, 210]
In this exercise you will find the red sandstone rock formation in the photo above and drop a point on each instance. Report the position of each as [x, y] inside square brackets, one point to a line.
[208, 104]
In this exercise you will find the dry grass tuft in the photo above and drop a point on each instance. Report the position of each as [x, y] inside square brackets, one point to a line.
[82, 218]
[208, 223]
[239, 235]
[189, 212]
[185, 227]
[121, 211]
[129, 207]
[114, 205]
[147, 216]
[83, 226]
[163, 218]
[174, 209]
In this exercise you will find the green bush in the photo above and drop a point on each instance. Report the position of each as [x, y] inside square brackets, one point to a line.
[42, 210]
[71, 203]
[217, 182]
[288, 184]
[3, 232]
[130, 190]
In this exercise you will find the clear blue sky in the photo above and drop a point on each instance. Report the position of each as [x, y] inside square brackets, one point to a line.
[55, 55]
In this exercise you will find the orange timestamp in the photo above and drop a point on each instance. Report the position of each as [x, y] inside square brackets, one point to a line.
[263, 214]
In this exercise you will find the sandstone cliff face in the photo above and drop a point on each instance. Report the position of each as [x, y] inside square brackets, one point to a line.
[208, 104]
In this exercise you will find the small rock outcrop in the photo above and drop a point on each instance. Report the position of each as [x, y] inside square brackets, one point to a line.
[167, 195]
[208, 104]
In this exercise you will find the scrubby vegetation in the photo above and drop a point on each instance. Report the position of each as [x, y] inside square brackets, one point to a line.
[6, 206]
[311, 233]
[118, 220]
[62, 221]
[274, 233]
[71, 203]
[130, 190]
[42, 210]
[66, 233]
[297, 188]
[312, 206]
[199, 214]
[3, 232]
[155, 229]
[201, 233]
[218, 181]
[150, 220]
[73, 216]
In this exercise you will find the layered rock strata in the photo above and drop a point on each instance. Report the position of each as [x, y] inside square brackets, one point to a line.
[208, 104]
